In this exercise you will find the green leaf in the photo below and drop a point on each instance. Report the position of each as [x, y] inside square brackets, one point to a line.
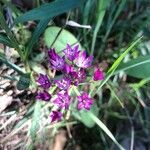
[37, 67]
[49, 10]
[10, 64]
[36, 34]
[86, 119]
[139, 67]
[105, 129]
[35, 124]
[5, 40]
[63, 38]
[24, 82]
[44, 13]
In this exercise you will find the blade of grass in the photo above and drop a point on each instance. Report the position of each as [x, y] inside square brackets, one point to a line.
[86, 19]
[36, 34]
[5, 40]
[110, 24]
[120, 8]
[140, 84]
[11, 65]
[105, 129]
[102, 5]
[13, 40]
[118, 61]
[86, 11]
[115, 95]
[112, 69]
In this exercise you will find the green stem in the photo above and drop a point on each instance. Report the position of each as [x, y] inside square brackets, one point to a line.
[76, 90]
[33, 81]
[27, 66]
[13, 66]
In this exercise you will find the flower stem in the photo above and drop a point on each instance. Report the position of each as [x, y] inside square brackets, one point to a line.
[76, 90]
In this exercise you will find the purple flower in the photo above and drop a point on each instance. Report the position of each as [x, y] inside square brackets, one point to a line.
[71, 53]
[43, 96]
[84, 101]
[62, 100]
[82, 61]
[98, 74]
[55, 60]
[67, 68]
[63, 83]
[44, 81]
[55, 116]
[78, 76]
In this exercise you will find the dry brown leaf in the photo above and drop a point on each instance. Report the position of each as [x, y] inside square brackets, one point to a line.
[5, 101]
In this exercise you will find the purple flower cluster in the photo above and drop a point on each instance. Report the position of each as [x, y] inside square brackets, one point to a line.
[73, 66]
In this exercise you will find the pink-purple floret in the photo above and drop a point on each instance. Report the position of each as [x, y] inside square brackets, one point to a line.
[44, 81]
[55, 116]
[98, 74]
[57, 62]
[71, 53]
[62, 100]
[63, 83]
[43, 96]
[84, 101]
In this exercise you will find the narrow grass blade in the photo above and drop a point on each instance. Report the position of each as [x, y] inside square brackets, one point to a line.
[110, 24]
[12, 38]
[86, 11]
[5, 40]
[102, 4]
[105, 129]
[36, 34]
[118, 11]
[116, 63]
[115, 95]
[11, 65]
